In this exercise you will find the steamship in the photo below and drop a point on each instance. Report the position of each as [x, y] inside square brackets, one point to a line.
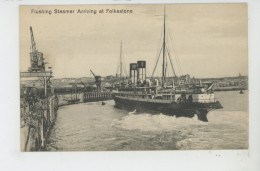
[146, 95]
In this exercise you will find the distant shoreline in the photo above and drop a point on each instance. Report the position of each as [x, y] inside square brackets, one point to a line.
[229, 88]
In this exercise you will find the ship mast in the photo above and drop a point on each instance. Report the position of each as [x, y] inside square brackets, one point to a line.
[164, 60]
[164, 49]
[121, 67]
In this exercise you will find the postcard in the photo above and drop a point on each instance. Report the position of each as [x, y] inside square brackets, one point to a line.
[133, 77]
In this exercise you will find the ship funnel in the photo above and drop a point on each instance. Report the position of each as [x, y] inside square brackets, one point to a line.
[141, 70]
[133, 73]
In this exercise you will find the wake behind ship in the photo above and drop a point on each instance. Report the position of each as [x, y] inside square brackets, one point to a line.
[156, 96]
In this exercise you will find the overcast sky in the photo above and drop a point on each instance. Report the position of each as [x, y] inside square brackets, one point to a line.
[210, 40]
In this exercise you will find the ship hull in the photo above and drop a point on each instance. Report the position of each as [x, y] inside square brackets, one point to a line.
[179, 110]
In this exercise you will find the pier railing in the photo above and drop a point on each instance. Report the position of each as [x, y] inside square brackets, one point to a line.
[97, 96]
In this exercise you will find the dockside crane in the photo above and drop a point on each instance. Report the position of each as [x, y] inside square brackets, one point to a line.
[97, 80]
[36, 57]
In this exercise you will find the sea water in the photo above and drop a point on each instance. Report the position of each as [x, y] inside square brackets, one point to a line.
[96, 127]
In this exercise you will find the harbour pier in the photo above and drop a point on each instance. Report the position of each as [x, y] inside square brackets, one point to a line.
[39, 106]
[38, 112]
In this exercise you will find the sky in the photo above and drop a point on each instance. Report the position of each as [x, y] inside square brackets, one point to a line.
[207, 40]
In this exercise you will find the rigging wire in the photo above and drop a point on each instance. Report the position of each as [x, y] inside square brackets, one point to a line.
[158, 57]
[175, 54]
[147, 73]
[166, 64]
[173, 65]
[158, 50]
[124, 72]
[121, 64]
[118, 66]
[174, 73]
[117, 69]
[124, 66]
